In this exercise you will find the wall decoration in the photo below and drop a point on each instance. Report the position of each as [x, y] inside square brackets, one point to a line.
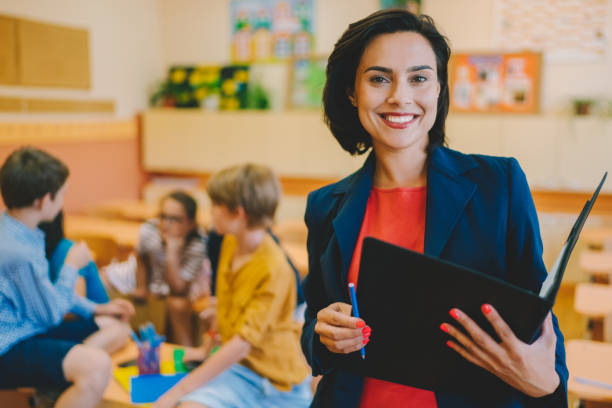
[234, 80]
[307, 81]
[488, 82]
[190, 87]
[563, 30]
[414, 6]
[267, 30]
[209, 87]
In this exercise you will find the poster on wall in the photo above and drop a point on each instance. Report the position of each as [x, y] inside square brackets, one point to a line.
[269, 30]
[563, 30]
[414, 6]
[307, 80]
[495, 83]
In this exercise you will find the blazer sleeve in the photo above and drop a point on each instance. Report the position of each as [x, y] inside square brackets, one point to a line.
[526, 267]
[316, 353]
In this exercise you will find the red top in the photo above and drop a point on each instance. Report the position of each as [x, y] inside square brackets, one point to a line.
[396, 216]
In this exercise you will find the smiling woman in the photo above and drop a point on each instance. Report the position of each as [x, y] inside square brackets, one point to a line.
[387, 90]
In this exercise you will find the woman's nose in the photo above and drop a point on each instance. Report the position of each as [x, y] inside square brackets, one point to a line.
[400, 94]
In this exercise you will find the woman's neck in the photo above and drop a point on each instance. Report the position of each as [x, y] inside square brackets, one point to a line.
[405, 168]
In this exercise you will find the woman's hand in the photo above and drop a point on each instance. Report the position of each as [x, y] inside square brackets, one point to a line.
[530, 368]
[340, 332]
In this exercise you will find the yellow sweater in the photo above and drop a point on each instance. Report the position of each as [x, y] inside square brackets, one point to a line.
[256, 302]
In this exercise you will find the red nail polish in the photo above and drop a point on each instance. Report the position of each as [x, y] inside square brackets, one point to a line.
[366, 341]
[360, 324]
[449, 344]
[454, 313]
[366, 330]
[444, 327]
[486, 309]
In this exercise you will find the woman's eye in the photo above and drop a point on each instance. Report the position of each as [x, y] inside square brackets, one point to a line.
[419, 78]
[378, 79]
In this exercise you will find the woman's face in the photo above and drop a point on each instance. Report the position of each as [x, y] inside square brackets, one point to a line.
[173, 219]
[396, 91]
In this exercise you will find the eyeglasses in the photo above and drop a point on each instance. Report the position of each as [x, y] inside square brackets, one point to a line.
[171, 218]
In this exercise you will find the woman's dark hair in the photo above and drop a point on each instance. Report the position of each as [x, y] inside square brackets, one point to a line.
[340, 115]
[190, 206]
[54, 233]
[188, 203]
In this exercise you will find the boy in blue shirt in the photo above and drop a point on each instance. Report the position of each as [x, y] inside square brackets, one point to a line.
[37, 347]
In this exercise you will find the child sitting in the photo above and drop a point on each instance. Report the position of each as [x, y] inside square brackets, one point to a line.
[37, 347]
[259, 363]
[89, 284]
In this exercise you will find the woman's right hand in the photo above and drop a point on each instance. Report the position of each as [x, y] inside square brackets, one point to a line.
[339, 331]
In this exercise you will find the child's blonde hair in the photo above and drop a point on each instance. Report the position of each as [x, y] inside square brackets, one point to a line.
[253, 187]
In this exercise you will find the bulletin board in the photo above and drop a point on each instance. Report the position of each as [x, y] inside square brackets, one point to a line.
[52, 55]
[8, 51]
[306, 82]
[495, 82]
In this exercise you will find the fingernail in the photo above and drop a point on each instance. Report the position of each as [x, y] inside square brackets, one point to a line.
[360, 324]
[366, 330]
[454, 313]
[449, 344]
[366, 341]
[486, 309]
[444, 327]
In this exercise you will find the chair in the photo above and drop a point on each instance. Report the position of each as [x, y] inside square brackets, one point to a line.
[17, 398]
[594, 300]
[104, 249]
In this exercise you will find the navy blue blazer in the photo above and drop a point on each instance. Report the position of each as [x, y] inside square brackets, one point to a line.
[479, 213]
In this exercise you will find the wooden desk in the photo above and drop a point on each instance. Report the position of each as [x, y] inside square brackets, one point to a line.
[597, 263]
[132, 210]
[594, 300]
[135, 210]
[590, 360]
[115, 396]
[597, 237]
[124, 233]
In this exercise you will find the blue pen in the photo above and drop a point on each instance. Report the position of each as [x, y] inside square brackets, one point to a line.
[351, 287]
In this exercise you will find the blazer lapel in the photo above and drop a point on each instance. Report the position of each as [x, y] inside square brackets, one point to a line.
[351, 211]
[448, 193]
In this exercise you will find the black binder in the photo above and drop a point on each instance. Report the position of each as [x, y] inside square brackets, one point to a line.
[414, 353]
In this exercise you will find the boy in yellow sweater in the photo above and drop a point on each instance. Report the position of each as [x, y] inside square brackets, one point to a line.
[259, 363]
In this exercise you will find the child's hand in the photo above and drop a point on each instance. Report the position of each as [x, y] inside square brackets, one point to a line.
[167, 400]
[339, 331]
[120, 308]
[140, 295]
[78, 256]
[174, 245]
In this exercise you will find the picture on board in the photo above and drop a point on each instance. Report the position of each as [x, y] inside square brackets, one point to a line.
[495, 82]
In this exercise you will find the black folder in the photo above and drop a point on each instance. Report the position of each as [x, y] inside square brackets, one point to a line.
[405, 310]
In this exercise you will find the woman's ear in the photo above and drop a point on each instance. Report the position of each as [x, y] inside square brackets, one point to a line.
[351, 96]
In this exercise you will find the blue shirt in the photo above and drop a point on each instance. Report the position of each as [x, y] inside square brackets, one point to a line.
[29, 303]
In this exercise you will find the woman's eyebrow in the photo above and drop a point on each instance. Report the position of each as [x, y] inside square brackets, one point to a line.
[389, 70]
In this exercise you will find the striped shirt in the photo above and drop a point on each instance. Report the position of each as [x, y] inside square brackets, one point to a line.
[29, 303]
[151, 249]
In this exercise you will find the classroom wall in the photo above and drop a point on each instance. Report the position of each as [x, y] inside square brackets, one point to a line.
[556, 150]
[125, 52]
[103, 157]
[195, 31]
